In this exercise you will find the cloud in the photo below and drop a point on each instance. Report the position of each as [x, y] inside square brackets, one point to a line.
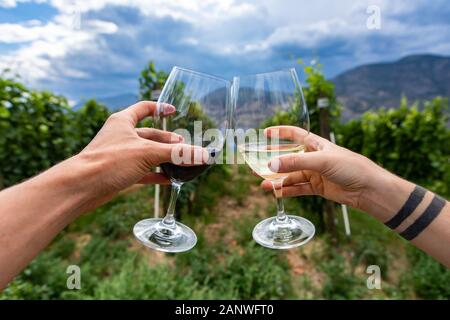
[99, 47]
[14, 3]
[45, 43]
[10, 3]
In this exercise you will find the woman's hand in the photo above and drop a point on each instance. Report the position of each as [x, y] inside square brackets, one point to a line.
[346, 177]
[121, 155]
[325, 169]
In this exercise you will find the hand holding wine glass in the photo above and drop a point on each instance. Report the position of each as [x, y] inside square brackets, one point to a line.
[326, 169]
[121, 155]
[201, 117]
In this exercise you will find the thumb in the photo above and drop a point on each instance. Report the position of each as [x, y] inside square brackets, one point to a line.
[318, 161]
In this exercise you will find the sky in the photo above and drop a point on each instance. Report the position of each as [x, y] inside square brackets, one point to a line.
[87, 48]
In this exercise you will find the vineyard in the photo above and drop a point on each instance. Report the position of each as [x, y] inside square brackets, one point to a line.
[39, 129]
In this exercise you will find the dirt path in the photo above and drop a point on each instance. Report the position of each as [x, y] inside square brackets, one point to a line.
[256, 205]
[230, 211]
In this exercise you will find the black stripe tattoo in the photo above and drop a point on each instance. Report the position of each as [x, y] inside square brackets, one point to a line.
[430, 213]
[414, 199]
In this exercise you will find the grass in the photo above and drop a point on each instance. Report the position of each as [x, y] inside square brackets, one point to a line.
[226, 263]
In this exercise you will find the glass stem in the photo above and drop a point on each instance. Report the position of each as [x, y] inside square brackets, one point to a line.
[169, 219]
[278, 191]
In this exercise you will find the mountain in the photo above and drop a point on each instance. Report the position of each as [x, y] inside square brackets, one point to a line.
[367, 87]
[418, 77]
[115, 102]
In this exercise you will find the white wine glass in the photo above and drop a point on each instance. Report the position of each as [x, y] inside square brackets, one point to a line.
[267, 99]
[202, 116]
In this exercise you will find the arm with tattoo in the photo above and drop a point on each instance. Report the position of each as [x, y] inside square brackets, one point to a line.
[341, 175]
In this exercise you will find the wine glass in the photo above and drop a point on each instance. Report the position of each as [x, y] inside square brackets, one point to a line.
[261, 100]
[202, 115]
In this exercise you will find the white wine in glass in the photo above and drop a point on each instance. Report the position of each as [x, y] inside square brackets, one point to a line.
[257, 156]
[266, 98]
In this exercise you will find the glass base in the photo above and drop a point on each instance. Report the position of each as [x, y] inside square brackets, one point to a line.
[154, 234]
[294, 232]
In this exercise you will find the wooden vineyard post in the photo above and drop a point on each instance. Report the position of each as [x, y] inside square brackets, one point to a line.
[323, 105]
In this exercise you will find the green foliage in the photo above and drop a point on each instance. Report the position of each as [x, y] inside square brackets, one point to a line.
[44, 278]
[411, 143]
[39, 129]
[110, 269]
[101, 258]
[319, 87]
[341, 283]
[241, 188]
[429, 278]
[33, 127]
[208, 188]
[88, 121]
[137, 280]
[370, 252]
[150, 80]
[230, 267]
[251, 273]
[114, 221]
[256, 274]
[63, 247]
[372, 242]
[236, 267]
[248, 276]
